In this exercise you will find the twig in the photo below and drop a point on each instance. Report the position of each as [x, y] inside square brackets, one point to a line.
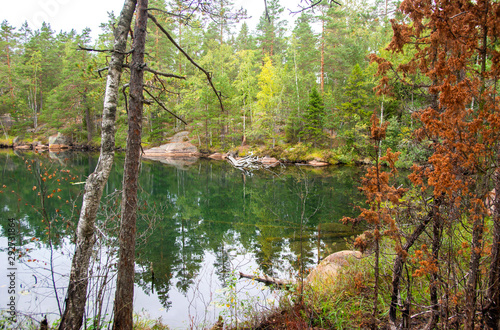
[101, 70]
[189, 58]
[312, 5]
[94, 50]
[103, 50]
[125, 96]
[159, 73]
[163, 106]
[184, 17]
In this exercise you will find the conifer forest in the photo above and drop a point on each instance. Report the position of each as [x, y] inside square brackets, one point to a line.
[405, 91]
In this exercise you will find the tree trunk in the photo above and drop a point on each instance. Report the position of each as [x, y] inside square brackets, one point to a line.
[471, 289]
[436, 246]
[123, 308]
[77, 288]
[397, 270]
[492, 310]
[322, 57]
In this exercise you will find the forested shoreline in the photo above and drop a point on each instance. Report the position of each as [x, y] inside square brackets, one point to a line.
[308, 85]
[415, 86]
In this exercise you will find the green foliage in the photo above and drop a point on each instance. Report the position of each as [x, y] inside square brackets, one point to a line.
[266, 99]
[313, 124]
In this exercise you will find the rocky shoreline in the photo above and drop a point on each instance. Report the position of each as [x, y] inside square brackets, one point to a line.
[178, 151]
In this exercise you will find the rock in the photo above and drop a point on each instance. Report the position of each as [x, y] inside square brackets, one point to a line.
[317, 163]
[56, 147]
[180, 148]
[59, 139]
[217, 156]
[269, 160]
[173, 149]
[180, 137]
[178, 154]
[59, 142]
[22, 147]
[7, 121]
[179, 162]
[329, 267]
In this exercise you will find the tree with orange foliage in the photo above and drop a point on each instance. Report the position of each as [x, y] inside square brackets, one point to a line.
[455, 46]
[378, 191]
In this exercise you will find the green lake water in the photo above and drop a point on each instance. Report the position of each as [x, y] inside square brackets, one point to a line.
[201, 222]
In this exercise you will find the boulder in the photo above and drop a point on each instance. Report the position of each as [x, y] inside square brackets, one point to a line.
[217, 156]
[59, 142]
[179, 154]
[329, 267]
[317, 163]
[180, 148]
[22, 147]
[269, 160]
[58, 139]
[180, 137]
[173, 149]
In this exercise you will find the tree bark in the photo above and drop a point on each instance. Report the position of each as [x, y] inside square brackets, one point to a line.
[433, 289]
[471, 289]
[124, 296]
[492, 310]
[77, 288]
[397, 270]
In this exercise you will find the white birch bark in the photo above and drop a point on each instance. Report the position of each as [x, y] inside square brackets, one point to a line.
[77, 288]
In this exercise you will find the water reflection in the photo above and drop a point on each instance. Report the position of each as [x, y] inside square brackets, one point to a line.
[197, 223]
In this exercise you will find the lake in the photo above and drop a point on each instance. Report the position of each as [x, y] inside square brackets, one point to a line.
[200, 223]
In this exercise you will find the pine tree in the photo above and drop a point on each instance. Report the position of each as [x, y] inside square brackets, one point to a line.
[313, 119]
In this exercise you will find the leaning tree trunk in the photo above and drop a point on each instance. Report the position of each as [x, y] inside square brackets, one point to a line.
[77, 288]
[397, 269]
[124, 296]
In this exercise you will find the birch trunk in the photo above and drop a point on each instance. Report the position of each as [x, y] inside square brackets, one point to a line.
[77, 288]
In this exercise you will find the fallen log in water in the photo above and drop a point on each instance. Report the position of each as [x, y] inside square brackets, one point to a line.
[268, 280]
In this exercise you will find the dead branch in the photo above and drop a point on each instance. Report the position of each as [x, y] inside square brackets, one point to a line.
[162, 89]
[159, 73]
[94, 50]
[312, 5]
[183, 17]
[209, 78]
[268, 280]
[103, 50]
[101, 70]
[160, 103]
[125, 96]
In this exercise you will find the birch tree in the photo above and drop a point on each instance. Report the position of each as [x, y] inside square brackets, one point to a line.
[77, 288]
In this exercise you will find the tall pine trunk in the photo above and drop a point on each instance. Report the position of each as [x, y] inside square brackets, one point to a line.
[124, 297]
[77, 288]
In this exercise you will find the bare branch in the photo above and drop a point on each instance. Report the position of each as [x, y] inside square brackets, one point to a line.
[94, 50]
[101, 70]
[159, 73]
[311, 4]
[162, 89]
[103, 50]
[160, 103]
[183, 17]
[189, 58]
[125, 96]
